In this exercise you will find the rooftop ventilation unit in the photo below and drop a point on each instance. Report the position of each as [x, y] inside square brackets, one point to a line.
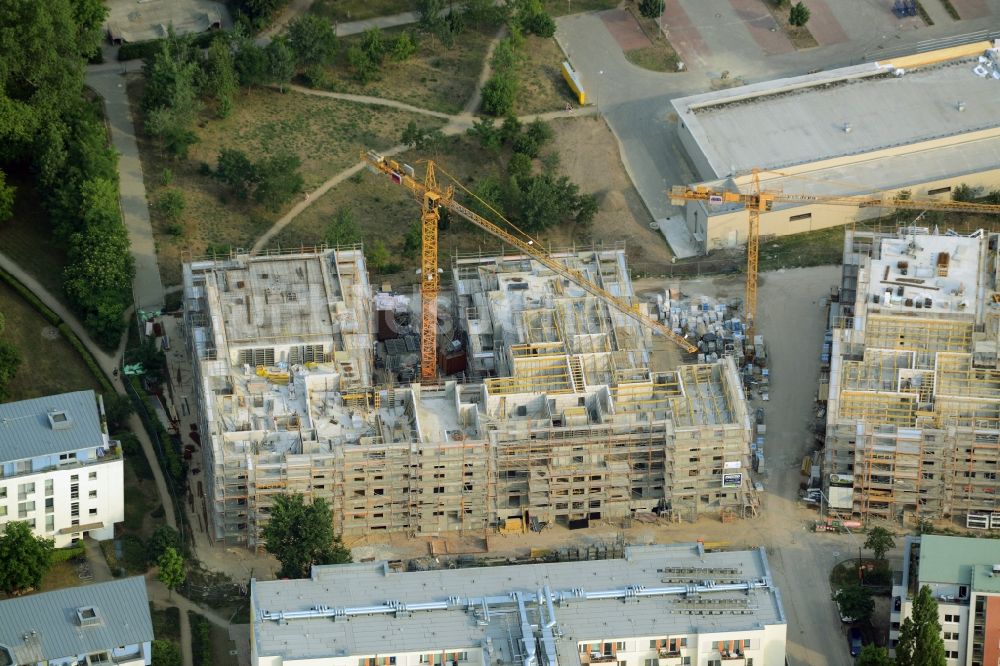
[88, 616]
[59, 420]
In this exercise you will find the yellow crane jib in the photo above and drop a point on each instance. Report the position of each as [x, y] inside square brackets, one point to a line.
[434, 198]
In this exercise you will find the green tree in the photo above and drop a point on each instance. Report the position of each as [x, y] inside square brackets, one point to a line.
[163, 537]
[6, 198]
[499, 94]
[873, 655]
[855, 602]
[280, 62]
[171, 570]
[519, 166]
[301, 535]
[171, 95]
[920, 642]
[10, 361]
[278, 180]
[586, 209]
[249, 59]
[364, 69]
[879, 541]
[798, 15]
[651, 8]
[965, 192]
[485, 131]
[166, 653]
[313, 40]
[413, 240]
[171, 205]
[484, 13]
[343, 229]
[236, 170]
[378, 255]
[24, 558]
[117, 409]
[219, 76]
[429, 12]
[374, 46]
[403, 47]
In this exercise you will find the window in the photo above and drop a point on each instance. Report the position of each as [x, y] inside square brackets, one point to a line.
[950, 635]
[48, 487]
[66, 457]
[50, 523]
[951, 654]
[803, 216]
[74, 478]
[938, 190]
[3, 492]
[93, 512]
[3, 510]
[92, 476]
[93, 493]
[74, 509]
[951, 618]
[49, 506]
[74, 491]
[25, 489]
[24, 508]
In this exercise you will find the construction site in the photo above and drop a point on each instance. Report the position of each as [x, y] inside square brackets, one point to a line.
[913, 417]
[544, 409]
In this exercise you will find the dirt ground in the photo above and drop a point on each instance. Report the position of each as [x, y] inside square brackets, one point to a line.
[589, 156]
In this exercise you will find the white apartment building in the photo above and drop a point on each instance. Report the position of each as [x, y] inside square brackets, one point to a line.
[59, 471]
[658, 606]
[962, 574]
[103, 624]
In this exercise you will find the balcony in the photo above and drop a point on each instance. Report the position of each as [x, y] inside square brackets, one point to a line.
[733, 657]
[110, 454]
[597, 658]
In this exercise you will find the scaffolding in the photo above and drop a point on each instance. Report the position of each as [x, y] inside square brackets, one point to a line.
[914, 413]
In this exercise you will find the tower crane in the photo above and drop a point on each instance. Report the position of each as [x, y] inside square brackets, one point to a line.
[433, 197]
[757, 201]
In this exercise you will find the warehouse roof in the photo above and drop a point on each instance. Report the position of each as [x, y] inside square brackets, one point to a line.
[74, 621]
[805, 119]
[53, 424]
[343, 609]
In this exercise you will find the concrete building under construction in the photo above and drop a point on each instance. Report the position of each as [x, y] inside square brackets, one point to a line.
[558, 419]
[913, 418]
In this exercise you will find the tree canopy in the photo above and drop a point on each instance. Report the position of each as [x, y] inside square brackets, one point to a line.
[24, 558]
[873, 655]
[301, 535]
[855, 602]
[313, 40]
[879, 541]
[10, 361]
[171, 569]
[920, 642]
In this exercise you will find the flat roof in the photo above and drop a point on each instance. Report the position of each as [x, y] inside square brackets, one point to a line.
[75, 621]
[947, 559]
[49, 425]
[338, 608]
[802, 119]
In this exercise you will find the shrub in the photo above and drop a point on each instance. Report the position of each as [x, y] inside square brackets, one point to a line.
[651, 8]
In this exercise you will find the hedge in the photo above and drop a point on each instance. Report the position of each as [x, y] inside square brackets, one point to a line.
[63, 554]
[29, 296]
[139, 50]
[201, 639]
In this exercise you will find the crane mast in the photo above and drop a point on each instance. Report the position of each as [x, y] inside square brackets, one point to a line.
[433, 199]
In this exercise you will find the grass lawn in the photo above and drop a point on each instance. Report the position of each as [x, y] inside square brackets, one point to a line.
[326, 135]
[384, 211]
[563, 7]
[436, 77]
[48, 363]
[541, 86]
[28, 238]
[660, 56]
[166, 623]
[355, 10]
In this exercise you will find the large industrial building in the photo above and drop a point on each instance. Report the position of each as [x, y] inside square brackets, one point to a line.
[923, 123]
[668, 605]
[913, 418]
[557, 417]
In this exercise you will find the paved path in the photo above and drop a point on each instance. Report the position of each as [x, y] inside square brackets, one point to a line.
[147, 287]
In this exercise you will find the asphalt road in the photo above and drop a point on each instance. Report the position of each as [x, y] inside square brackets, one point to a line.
[636, 102]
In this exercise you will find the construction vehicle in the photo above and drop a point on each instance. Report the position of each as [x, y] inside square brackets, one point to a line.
[757, 200]
[433, 198]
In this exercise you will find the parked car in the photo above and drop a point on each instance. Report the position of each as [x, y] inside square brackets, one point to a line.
[854, 640]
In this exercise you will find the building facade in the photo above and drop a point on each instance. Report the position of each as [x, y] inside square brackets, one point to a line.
[658, 606]
[94, 625]
[60, 472]
[964, 577]
[913, 417]
[560, 418]
[904, 125]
